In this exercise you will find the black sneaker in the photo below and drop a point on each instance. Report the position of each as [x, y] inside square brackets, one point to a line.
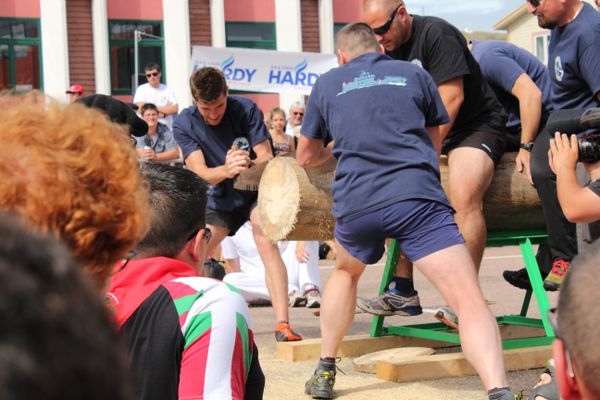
[520, 279]
[320, 385]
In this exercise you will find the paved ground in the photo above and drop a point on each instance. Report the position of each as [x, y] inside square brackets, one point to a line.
[285, 380]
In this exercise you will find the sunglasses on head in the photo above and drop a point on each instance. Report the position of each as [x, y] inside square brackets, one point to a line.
[383, 29]
[534, 3]
[150, 74]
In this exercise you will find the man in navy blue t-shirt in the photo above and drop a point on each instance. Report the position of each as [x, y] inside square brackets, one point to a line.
[573, 64]
[380, 119]
[218, 135]
[522, 86]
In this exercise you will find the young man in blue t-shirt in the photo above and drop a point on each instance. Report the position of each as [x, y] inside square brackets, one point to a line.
[573, 64]
[218, 135]
[380, 119]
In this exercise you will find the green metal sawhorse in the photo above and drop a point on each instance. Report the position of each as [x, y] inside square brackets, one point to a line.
[440, 332]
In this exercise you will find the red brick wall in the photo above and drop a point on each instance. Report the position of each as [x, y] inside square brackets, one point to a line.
[309, 10]
[200, 22]
[81, 45]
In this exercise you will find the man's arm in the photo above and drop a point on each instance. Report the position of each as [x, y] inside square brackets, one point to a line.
[263, 152]
[167, 155]
[530, 110]
[232, 265]
[168, 109]
[311, 151]
[235, 162]
[577, 203]
[453, 95]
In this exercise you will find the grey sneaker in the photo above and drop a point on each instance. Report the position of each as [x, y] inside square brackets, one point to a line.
[447, 316]
[391, 304]
[313, 298]
[295, 299]
[320, 384]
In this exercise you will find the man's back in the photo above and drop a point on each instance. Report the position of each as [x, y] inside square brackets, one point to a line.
[441, 50]
[377, 146]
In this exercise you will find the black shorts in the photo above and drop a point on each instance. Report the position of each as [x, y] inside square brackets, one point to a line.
[232, 220]
[492, 143]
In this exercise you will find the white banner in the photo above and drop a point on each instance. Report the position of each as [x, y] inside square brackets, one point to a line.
[264, 70]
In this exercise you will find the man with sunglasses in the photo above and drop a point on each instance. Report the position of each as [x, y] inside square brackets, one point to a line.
[188, 337]
[158, 94]
[295, 119]
[474, 139]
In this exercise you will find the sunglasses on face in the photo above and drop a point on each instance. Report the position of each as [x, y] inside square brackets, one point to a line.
[383, 29]
[207, 234]
[298, 113]
[151, 74]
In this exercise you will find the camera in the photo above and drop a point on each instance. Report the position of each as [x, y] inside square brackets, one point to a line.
[589, 147]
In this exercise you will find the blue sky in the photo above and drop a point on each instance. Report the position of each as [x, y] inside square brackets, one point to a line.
[478, 15]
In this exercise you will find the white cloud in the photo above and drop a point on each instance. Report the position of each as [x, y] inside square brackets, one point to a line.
[433, 7]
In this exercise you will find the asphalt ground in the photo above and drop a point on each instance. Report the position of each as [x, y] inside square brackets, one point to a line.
[285, 380]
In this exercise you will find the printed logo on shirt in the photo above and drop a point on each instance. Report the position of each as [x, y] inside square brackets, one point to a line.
[366, 80]
[559, 72]
[417, 62]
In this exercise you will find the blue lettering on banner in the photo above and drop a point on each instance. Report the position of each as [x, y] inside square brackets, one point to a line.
[236, 74]
[297, 76]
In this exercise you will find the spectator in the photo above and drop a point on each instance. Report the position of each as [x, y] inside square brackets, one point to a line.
[57, 342]
[573, 66]
[217, 135]
[158, 144]
[295, 120]
[75, 92]
[72, 173]
[283, 144]
[473, 139]
[349, 106]
[158, 94]
[247, 272]
[188, 337]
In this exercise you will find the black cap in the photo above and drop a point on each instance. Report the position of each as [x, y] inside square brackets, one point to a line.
[118, 112]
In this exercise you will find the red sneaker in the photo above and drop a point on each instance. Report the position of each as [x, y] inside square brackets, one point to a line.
[284, 333]
[557, 275]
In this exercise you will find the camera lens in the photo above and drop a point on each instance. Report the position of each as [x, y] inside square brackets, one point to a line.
[589, 148]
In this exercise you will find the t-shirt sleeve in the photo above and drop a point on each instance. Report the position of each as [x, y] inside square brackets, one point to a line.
[257, 130]
[500, 70]
[139, 95]
[313, 124]
[170, 142]
[589, 65]
[182, 132]
[595, 187]
[229, 249]
[433, 107]
[446, 55]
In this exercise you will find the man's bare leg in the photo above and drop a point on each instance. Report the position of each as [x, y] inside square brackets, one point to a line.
[339, 299]
[275, 271]
[453, 274]
[470, 172]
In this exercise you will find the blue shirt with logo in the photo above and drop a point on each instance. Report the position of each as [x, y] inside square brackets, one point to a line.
[502, 64]
[574, 61]
[376, 111]
[241, 119]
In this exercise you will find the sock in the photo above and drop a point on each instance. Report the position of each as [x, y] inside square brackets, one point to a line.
[327, 363]
[504, 393]
[402, 286]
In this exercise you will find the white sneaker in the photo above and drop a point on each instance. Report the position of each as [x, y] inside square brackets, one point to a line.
[295, 299]
[313, 298]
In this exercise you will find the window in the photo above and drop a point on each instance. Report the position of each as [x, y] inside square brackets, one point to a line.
[541, 47]
[122, 61]
[251, 35]
[337, 26]
[20, 64]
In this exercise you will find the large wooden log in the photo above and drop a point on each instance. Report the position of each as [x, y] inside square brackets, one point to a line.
[295, 204]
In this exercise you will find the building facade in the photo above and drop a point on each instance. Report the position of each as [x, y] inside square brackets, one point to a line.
[50, 44]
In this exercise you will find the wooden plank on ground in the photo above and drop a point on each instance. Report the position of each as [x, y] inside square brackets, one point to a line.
[455, 365]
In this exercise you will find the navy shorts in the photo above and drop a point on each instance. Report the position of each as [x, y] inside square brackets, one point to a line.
[421, 227]
[492, 143]
[232, 220]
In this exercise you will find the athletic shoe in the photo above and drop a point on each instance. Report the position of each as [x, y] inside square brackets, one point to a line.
[447, 316]
[320, 385]
[313, 298]
[520, 279]
[284, 333]
[391, 304]
[557, 275]
[295, 299]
